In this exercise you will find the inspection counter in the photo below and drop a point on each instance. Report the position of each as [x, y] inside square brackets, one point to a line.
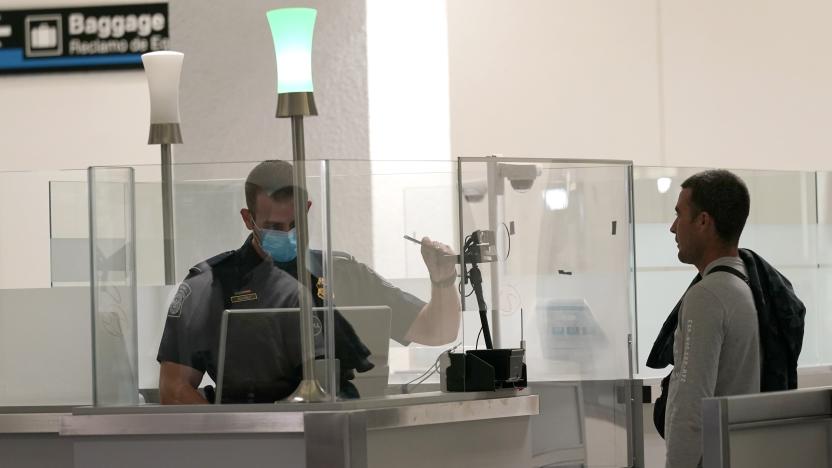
[487, 429]
[30, 437]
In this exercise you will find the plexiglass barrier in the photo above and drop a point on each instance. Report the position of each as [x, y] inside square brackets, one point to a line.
[823, 290]
[359, 213]
[373, 205]
[559, 280]
[567, 267]
[112, 249]
[368, 282]
[786, 226]
[563, 262]
[235, 316]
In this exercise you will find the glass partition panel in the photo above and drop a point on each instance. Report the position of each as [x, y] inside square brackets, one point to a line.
[781, 227]
[372, 206]
[44, 329]
[220, 269]
[824, 273]
[113, 286]
[69, 233]
[560, 277]
[69, 240]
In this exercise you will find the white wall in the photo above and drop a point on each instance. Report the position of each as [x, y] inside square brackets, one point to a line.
[740, 84]
[746, 83]
[549, 78]
[407, 73]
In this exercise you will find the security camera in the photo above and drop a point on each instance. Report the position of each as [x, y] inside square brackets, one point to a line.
[474, 191]
[520, 176]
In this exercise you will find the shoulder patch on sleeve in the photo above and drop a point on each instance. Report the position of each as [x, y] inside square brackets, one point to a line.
[207, 265]
[175, 309]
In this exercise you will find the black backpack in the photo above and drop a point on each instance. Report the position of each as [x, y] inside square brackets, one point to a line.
[781, 319]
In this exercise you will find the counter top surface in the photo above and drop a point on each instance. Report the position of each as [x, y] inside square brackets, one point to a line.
[345, 405]
[381, 413]
[32, 422]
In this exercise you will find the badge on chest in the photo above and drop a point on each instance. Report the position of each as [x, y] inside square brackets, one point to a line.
[243, 296]
[321, 289]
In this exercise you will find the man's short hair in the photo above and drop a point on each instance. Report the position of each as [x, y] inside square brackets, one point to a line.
[275, 178]
[724, 197]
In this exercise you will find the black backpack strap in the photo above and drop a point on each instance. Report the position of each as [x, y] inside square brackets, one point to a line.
[660, 406]
[731, 270]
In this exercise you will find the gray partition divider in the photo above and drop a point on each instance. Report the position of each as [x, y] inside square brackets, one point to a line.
[768, 430]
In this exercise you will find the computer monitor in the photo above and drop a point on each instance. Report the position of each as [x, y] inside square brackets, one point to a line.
[260, 348]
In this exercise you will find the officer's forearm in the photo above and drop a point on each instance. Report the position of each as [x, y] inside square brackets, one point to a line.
[177, 385]
[181, 394]
[438, 321]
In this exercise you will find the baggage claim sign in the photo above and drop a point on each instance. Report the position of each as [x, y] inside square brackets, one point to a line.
[112, 36]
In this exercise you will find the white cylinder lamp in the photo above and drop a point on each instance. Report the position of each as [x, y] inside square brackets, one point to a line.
[163, 70]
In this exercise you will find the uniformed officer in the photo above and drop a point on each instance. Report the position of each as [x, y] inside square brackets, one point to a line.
[262, 274]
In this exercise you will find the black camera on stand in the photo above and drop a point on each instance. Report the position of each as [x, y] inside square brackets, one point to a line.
[483, 369]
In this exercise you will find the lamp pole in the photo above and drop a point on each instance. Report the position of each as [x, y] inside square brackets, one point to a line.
[163, 69]
[292, 33]
[309, 390]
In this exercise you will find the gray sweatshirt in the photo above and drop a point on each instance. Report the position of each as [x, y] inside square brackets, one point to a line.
[717, 352]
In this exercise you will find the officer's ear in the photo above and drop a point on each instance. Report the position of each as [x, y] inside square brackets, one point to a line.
[245, 213]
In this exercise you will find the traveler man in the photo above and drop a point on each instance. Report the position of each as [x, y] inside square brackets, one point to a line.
[263, 274]
[716, 343]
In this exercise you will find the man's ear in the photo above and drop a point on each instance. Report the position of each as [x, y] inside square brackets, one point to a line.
[706, 221]
[247, 218]
[308, 205]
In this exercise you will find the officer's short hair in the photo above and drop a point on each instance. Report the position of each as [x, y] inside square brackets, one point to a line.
[724, 196]
[274, 177]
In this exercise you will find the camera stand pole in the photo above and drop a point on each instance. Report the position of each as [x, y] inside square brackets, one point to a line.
[495, 197]
[475, 276]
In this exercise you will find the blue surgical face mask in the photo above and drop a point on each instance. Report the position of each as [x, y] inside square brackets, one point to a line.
[280, 245]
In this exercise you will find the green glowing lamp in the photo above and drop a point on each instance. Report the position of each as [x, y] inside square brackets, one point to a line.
[292, 30]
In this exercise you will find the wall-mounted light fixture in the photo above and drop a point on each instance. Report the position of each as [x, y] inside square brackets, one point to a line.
[556, 198]
[663, 184]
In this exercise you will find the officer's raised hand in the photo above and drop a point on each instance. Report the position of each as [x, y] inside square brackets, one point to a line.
[440, 260]
[438, 322]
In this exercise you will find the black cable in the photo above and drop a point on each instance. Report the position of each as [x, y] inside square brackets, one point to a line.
[434, 368]
[508, 235]
[461, 289]
[477, 344]
[468, 240]
[475, 277]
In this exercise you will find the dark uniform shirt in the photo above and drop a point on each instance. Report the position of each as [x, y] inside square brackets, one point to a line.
[241, 279]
